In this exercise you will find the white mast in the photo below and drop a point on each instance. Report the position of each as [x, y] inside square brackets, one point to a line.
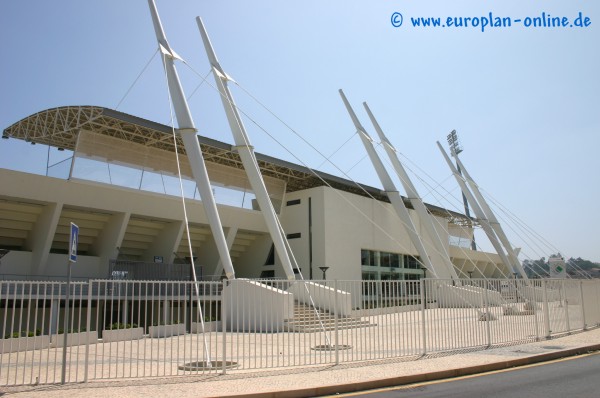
[390, 189]
[478, 211]
[246, 152]
[512, 255]
[413, 196]
[188, 131]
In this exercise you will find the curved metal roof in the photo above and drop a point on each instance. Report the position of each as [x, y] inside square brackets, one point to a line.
[59, 127]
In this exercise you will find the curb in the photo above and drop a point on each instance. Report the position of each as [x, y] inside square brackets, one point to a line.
[419, 378]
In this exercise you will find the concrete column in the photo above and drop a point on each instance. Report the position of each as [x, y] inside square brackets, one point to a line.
[166, 242]
[42, 235]
[111, 237]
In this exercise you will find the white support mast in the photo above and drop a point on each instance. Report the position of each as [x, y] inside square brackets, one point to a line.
[187, 131]
[512, 255]
[413, 196]
[246, 152]
[390, 189]
[489, 231]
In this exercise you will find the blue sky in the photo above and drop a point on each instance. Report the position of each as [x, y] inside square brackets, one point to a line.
[524, 101]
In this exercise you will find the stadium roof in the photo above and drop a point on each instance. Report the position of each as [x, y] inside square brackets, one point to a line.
[60, 127]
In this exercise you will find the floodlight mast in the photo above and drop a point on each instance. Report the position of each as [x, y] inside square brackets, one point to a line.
[478, 211]
[390, 189]
[455, 148]
[246, 152]
[413, 195]
[187, 131]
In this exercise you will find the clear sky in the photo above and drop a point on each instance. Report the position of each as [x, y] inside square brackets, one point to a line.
[524, 100]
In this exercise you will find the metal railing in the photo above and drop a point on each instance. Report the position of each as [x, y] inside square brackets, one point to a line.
[129, 329]
[145, 271]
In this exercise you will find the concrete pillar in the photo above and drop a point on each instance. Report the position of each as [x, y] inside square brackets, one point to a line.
[111, 237]
[166, 243]
[41, 237]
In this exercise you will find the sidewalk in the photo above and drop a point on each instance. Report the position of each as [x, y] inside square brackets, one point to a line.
[325, 380]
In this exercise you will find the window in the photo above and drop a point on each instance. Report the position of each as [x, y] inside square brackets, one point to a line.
[368, 287]
[367, 257]
[412, 262]
[389, 260]
[369, 276]
[378, 265]
[294, 235]
[384, 259]
[271, 257]
[413, 289]
[267, 274]
[293, 202]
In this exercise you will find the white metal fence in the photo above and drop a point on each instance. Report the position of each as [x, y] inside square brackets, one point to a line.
[132, 329]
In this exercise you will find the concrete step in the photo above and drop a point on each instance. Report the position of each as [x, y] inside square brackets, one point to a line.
[316, 327]
[306, 320]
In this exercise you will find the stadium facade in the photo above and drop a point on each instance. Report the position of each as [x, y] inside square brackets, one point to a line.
[329, 221]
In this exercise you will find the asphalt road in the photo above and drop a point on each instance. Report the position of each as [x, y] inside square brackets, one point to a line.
[576, 377]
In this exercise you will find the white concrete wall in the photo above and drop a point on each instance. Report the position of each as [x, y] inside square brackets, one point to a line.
[295, 219]
[16, 264]
[23, 344]
[251, 263]
[324, 298]
[252, 306]
[342, 226]
[58, 340]
[347, 228]
[86, 267]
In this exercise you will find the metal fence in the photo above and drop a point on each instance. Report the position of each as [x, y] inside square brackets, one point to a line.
[139, 270]
[132, 329]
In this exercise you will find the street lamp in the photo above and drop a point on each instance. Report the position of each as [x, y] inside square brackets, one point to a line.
[324, 269]
[424, 269]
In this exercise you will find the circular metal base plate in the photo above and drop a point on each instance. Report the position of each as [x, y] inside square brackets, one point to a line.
[204, 365]
[326, 347]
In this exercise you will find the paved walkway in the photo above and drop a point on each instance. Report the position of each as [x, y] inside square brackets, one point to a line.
[325, 380]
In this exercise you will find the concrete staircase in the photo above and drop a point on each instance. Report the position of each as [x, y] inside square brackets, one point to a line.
[306, 321]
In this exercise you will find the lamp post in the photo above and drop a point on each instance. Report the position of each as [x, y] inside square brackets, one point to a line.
[516, 286]
[455, 149]
[324, 269]
[423, 287]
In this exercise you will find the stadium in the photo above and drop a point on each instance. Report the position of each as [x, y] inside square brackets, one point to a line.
[323, 215]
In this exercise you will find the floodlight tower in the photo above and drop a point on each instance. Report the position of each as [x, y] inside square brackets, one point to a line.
[455, 149]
